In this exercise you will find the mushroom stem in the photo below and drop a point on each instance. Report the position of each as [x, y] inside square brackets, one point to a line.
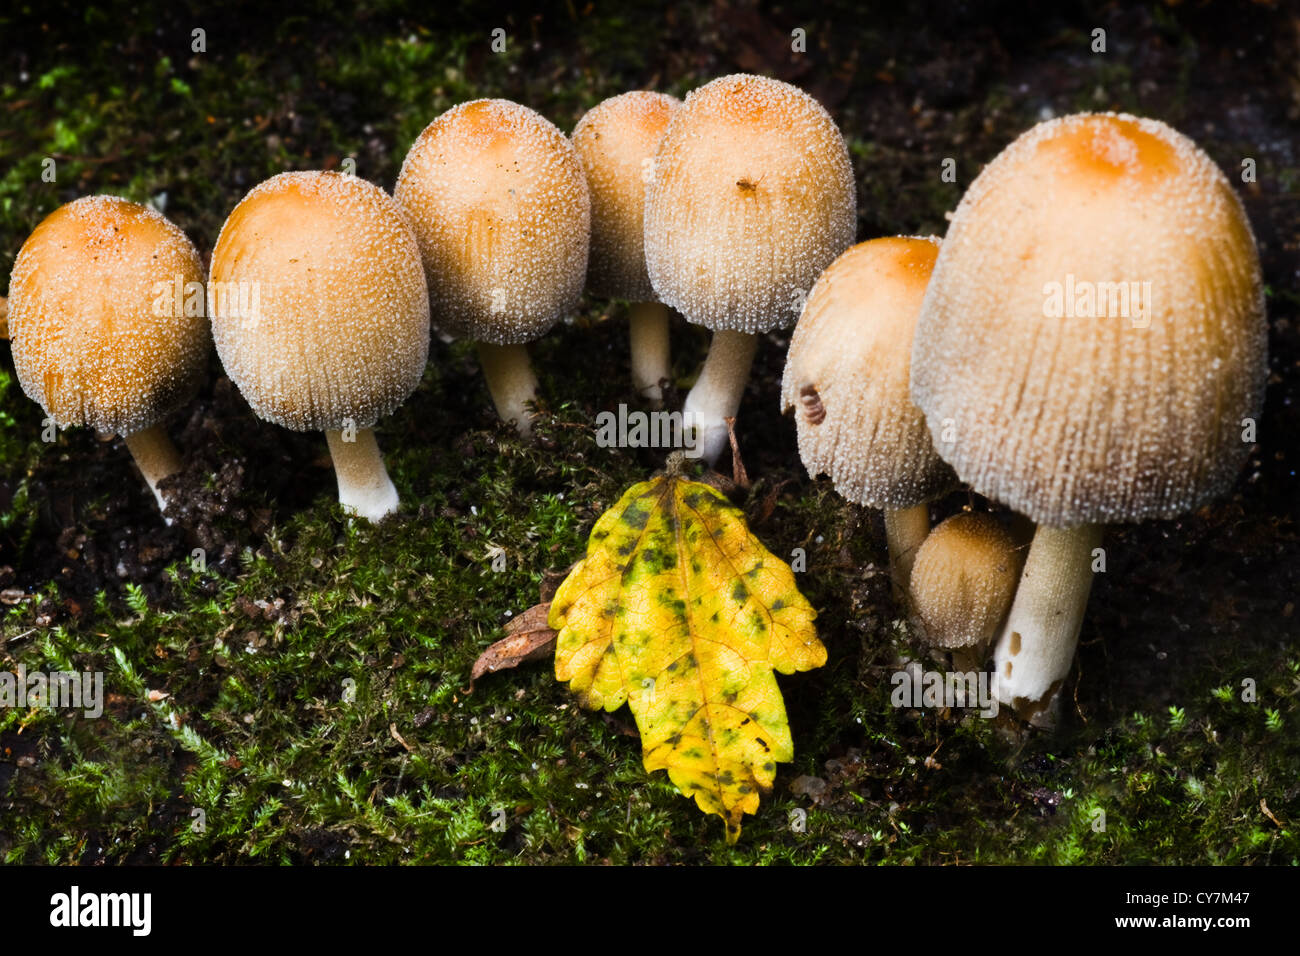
[648, 325]
[905, 530]
[511, 381]
[156, 457]
[717, 392]
[4, 318]
[1035, 647]
[364, 486]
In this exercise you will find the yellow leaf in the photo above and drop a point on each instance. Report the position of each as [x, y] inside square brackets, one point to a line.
[682, 613]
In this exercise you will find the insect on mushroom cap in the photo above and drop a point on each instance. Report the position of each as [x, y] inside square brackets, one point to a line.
[318, 302]
[498, 200]
[1094, 333]
[753, 196]
[846, 376]
[99, 337]
[616, 141]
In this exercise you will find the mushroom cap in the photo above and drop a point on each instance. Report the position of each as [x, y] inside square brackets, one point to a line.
[753, 196]
[963, 580]
[498, 200]
[847, 373]
[1118, 413]
[616, 141]
[339, 330]
[97, 336]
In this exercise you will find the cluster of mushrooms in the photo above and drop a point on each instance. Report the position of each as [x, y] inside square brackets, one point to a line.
[915, 362]
[919, 362]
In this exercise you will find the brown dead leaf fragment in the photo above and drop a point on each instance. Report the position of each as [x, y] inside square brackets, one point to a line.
[528, 638]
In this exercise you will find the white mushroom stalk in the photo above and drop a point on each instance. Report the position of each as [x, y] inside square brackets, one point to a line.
[651, 353]
[364, 486]
[716, 394]
[156, 457]
[753, 196]
[510, 379]
[905, 531]
[1036, 645]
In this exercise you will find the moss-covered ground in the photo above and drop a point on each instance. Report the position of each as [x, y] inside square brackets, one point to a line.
[302, 696]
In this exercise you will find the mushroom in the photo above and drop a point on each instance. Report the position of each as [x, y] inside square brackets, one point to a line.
[498, 200]
[962, 584]
[616, 141]
[1090, 343]
[847, 374]
[321, 317]
[106, 324]
[752, 197]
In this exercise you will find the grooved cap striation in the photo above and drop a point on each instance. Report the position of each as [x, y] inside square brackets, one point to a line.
[1125, 408]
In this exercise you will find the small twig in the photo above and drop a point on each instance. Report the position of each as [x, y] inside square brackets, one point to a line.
[738, 474]
[19, 637]
[392, 729]
[1269, 813]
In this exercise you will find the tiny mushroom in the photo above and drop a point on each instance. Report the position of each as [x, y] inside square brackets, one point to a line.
[107, 326]
[321, 317]
[1091, 344]
[616, 141]
[499, 203]
[752, 197]
[847, 376]
[962, 584]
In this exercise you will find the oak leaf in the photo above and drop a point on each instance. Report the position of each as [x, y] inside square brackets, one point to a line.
[680, 612]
